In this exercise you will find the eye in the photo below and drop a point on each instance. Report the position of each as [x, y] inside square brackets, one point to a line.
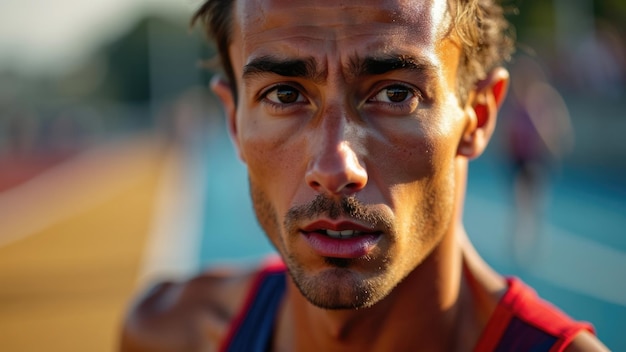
[394, 94]
[284, 94]
[395, 99]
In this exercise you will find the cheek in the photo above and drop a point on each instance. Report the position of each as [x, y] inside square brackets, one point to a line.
[267, 166]
[425, 205]
[412, 152]
[265, 211]
[274, 162]
[417, 165]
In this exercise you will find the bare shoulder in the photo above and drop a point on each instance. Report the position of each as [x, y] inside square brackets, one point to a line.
[186, 316]
[585, 341]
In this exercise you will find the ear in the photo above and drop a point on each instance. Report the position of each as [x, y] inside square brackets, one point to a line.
[481, 109]
[223, 91]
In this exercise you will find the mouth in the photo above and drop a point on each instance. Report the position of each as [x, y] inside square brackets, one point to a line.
[341, 240]
[345, 234]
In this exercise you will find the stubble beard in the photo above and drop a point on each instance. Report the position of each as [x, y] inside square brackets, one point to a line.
[341, 286]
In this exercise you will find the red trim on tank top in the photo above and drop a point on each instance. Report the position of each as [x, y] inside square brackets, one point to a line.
[522, 302]
[498, 322]
[270, 265]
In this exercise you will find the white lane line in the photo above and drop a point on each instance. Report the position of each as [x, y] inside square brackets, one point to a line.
[584, 266]
[74, 186]
[562, 258]
[173, 248]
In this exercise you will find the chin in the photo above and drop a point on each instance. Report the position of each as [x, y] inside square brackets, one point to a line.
[338, 285]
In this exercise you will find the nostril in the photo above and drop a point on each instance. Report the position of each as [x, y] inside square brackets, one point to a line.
[352, 186]
[314, 184]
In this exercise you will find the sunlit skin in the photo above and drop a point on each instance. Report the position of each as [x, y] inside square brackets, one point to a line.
[337, 133]
[347, 117]
[370, 113]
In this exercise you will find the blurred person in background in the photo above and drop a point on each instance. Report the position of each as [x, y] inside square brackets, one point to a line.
[599, 62]
[537, 134]
[356, 121]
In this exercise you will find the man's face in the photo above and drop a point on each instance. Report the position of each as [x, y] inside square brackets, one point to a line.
[348, 121]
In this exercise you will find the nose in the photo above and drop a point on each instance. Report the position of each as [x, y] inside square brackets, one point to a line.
[335, 168]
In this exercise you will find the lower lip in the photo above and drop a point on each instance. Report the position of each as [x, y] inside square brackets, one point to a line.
[354, 247]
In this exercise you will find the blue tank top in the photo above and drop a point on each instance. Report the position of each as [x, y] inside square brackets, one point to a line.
[521, 322]
[253, 328]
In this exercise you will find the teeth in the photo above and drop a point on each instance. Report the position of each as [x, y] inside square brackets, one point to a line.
[342, 234]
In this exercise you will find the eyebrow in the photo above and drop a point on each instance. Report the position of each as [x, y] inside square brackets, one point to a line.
[308, 69]
[303, 68]
[378, 65]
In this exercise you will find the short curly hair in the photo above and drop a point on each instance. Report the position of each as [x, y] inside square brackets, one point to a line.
[485, 34]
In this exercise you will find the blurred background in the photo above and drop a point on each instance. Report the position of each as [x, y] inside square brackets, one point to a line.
[116, 170]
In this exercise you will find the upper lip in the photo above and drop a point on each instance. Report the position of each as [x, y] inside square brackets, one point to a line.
[341, 225]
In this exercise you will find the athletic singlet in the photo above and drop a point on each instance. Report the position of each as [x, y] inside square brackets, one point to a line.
[521, 322]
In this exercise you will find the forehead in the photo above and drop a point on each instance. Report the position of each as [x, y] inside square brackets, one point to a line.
[327, 26]
[382, 11]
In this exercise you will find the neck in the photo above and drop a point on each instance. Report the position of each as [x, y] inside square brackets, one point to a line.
[414, 314]
[442, 305]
